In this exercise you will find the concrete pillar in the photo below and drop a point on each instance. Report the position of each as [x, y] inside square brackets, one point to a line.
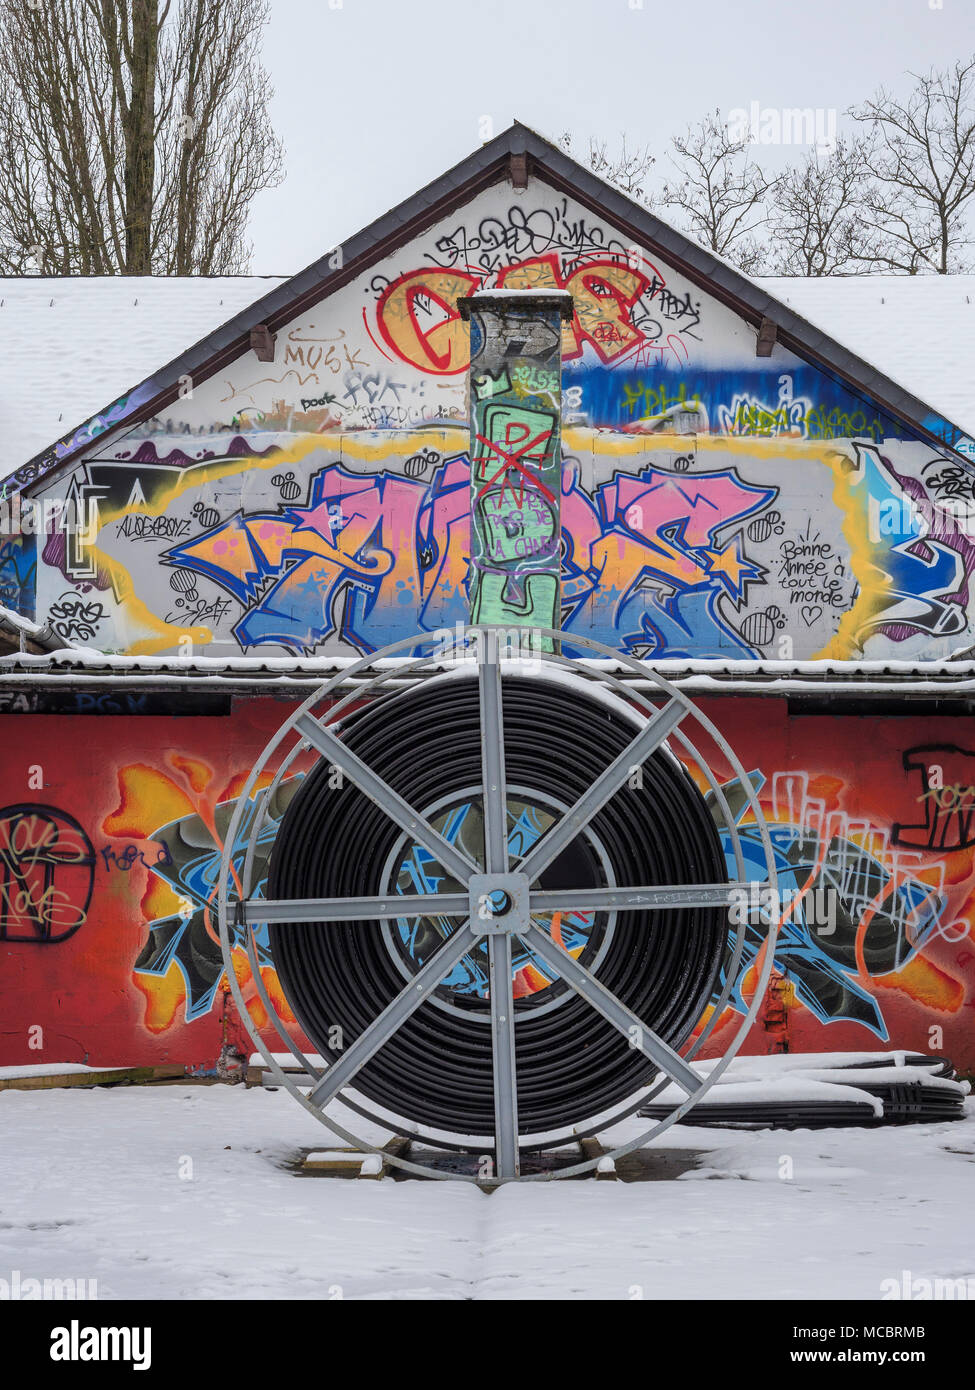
[516, 472]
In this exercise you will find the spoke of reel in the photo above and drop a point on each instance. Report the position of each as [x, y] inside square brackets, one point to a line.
[493, 786]
[503, 1056]
[388, 800]
[605, 787]
[395, 1014]
[495, 799]
[612, 1009]
[354, 909]
[392, 906]
[659, 897]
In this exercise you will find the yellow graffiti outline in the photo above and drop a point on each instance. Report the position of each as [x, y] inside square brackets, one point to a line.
[873, 583]
[345, 446]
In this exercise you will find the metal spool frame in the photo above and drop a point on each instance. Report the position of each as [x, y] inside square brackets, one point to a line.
[239, 912]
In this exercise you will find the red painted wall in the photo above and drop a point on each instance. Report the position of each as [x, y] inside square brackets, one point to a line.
[87, 866]
[863, 782]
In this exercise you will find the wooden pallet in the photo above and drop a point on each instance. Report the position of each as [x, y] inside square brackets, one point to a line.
[113, 1076]
[592, 1148]
[333, 1163]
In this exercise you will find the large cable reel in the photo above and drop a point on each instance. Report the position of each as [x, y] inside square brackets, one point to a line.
[497, 885]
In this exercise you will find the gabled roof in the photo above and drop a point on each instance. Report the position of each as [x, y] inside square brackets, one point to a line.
[493, 162]
[67, 345]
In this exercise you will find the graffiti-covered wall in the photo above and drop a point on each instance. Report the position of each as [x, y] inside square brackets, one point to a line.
[715, 504]
[109, 860]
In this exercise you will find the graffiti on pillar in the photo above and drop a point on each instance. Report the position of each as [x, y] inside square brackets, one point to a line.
[516, 392]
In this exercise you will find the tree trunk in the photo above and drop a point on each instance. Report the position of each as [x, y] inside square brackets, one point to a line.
[140, 138]
[133, 135]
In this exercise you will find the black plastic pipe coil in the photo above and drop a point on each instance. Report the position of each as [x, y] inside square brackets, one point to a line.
[571, 1064]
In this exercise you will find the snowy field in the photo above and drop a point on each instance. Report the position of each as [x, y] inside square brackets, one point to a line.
[184, 1192]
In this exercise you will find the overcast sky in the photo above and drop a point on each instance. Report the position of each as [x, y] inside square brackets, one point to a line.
[374, 98]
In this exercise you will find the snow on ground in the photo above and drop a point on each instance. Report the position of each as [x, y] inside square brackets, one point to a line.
[92, 1190]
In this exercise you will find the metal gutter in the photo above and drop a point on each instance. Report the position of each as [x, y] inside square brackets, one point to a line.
[948, 681]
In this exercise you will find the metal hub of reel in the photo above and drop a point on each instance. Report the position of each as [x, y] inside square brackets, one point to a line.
[496, 898]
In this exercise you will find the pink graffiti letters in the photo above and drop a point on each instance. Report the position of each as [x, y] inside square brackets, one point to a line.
[370, 558]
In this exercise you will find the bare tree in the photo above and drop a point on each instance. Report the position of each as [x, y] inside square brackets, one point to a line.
[922, 157]
[133, 136]
[817, 218]
[628, 169]
[720, 192]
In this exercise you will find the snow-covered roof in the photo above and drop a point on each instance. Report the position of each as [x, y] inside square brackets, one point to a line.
[918, 329]
[68, 347]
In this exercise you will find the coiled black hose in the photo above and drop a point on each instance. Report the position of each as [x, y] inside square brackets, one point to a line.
[571, 1064]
